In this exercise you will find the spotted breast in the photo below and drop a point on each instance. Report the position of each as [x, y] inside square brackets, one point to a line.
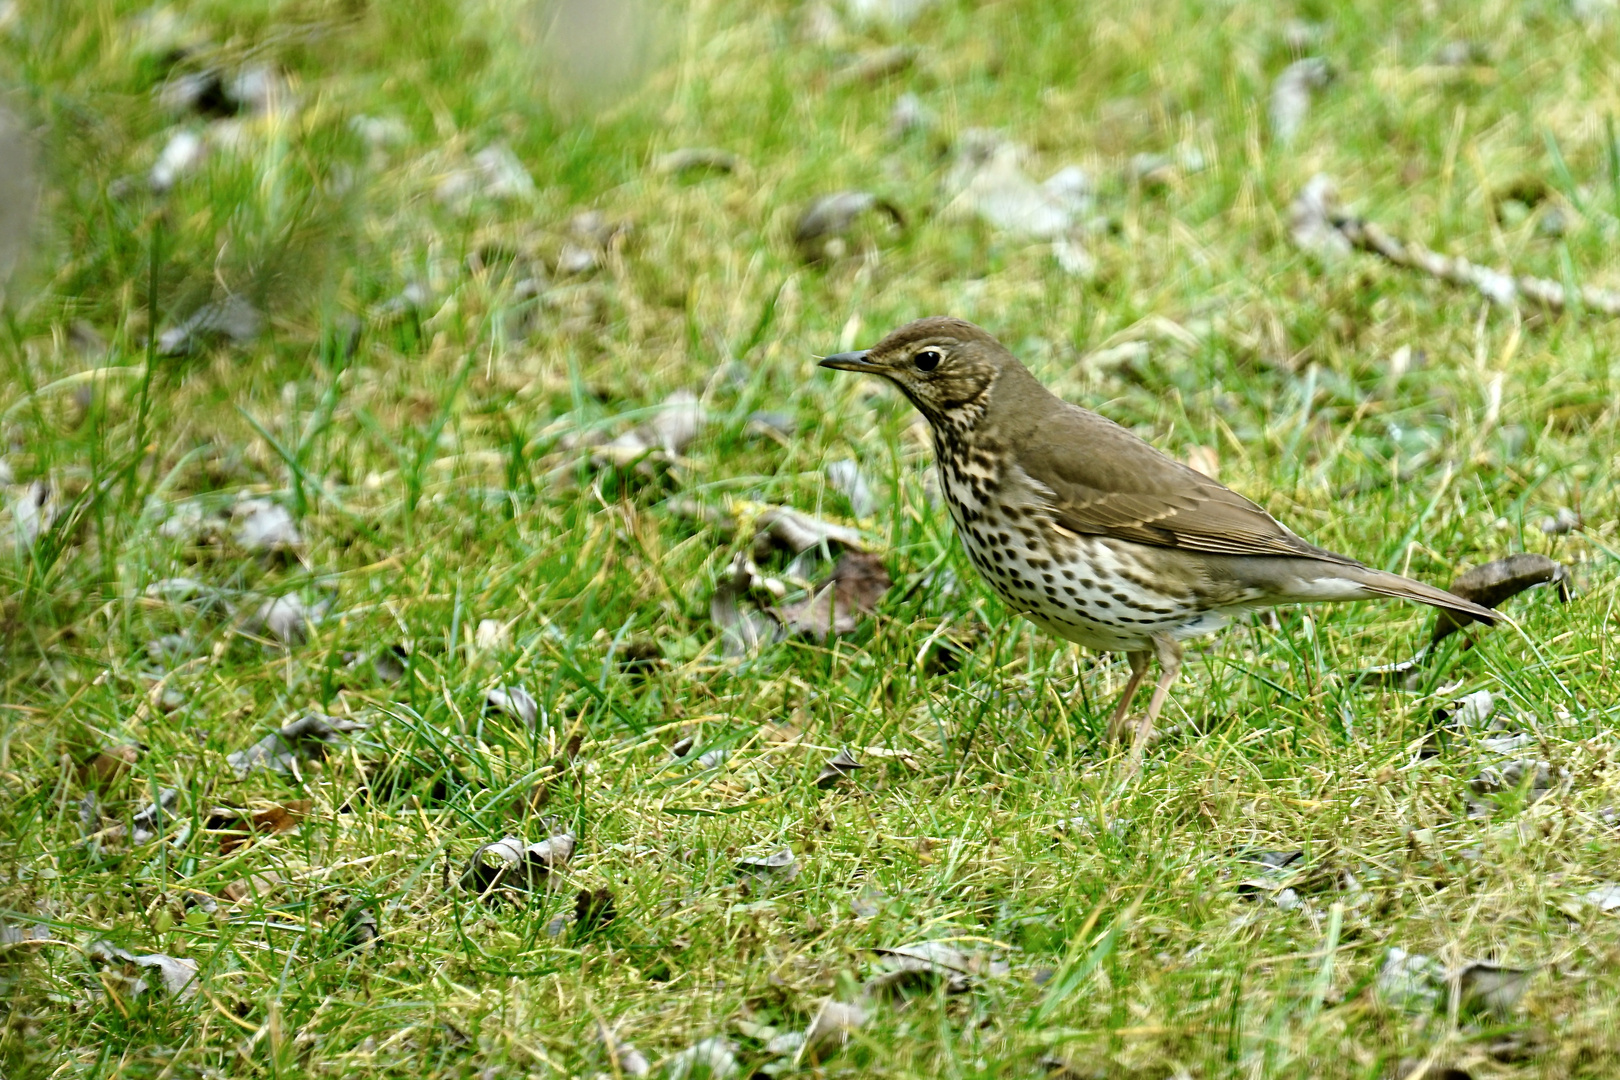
[1098, 592]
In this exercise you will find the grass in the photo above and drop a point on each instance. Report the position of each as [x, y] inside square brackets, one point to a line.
[425, 451]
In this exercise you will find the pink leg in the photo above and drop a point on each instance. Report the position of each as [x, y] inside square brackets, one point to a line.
[1168, 651]
[1139, 666]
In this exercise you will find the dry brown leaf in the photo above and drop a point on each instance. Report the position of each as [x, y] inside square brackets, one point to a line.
[831, 1029]
[1497, 581]
[510, 864]
[859, 581]
[109, 765]
[305, 738]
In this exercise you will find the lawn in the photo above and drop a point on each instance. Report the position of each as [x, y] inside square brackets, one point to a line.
[435, 384]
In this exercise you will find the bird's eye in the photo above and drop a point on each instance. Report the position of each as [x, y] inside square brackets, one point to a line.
[927, 359]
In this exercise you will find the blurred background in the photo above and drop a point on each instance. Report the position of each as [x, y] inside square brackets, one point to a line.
[447, 368]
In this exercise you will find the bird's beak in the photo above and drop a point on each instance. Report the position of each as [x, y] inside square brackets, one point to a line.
[848, 361]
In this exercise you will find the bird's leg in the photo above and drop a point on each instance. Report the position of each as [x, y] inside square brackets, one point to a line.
[1139, 666]
[1168, 650]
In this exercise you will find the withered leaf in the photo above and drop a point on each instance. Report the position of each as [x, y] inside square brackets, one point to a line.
[830, 1031]
[178, 977]
[743, 626]
[1492, 988]
[593, 909]
[104, 767]
[800, 532]
[305, 738]
[846, 477]
[238, 826]
[625, 1057]
[515, 702]
[781, 865]
[254, 886]
[858, 582]
[509, 864]
[148, 822]
[265, 527]
[713, 1058]
[819, 232]
[920, 967]
[843, 764]
[1494, 582]
[695, 159]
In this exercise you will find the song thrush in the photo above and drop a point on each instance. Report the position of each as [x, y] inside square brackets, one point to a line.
[1090, 532]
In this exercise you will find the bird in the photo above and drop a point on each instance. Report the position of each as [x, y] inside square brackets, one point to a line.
[1091, 532]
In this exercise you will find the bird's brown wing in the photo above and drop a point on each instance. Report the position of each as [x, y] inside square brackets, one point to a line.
[1104, 481]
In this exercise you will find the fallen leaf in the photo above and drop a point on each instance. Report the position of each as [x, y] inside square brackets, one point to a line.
[252, 887]
[820, 233]
[908, 115]
[869, 902]
[623, 1056]
[33, 510]
[149, 820]
[1313, 218]
[875, 65]
[593, 910]
[389, 664]
[180, 590]
[995, 189]
[639, 656]
[1494, 582]
[1491, 988]
[493, 173]
[282, 751]
[238, 826]
[181, 155]
[27, 939]
[515, 702]
[678, 421]
[847, 479]
[1468, 711]
[1410, 980]
[1562, 523]
[779, 865]
[712, 1059]
[233, 320]
[797, 533]
[1605, 897]
[287, 619]
[1291, 96]
[920, 967]
[105, 767]
[859, 581]
[492, 634]
[842, 765]
[178, 977]
[266, 527]
[888, 11]
[358, 927]
[1512, 776]
[743, 626]
[1412, 1068]
[695, 159]
[509, 864]
[830, 1030]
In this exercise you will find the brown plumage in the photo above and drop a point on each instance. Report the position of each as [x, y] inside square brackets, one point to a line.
[1088, 530]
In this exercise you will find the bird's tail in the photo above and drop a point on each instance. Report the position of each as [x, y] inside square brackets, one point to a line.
[1383, 583]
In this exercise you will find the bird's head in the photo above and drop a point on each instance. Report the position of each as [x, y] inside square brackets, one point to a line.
[945, 366]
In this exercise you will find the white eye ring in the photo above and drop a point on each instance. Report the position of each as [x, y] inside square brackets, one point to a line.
[927, 359]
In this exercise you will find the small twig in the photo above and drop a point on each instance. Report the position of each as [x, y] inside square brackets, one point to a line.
[1320, 225]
